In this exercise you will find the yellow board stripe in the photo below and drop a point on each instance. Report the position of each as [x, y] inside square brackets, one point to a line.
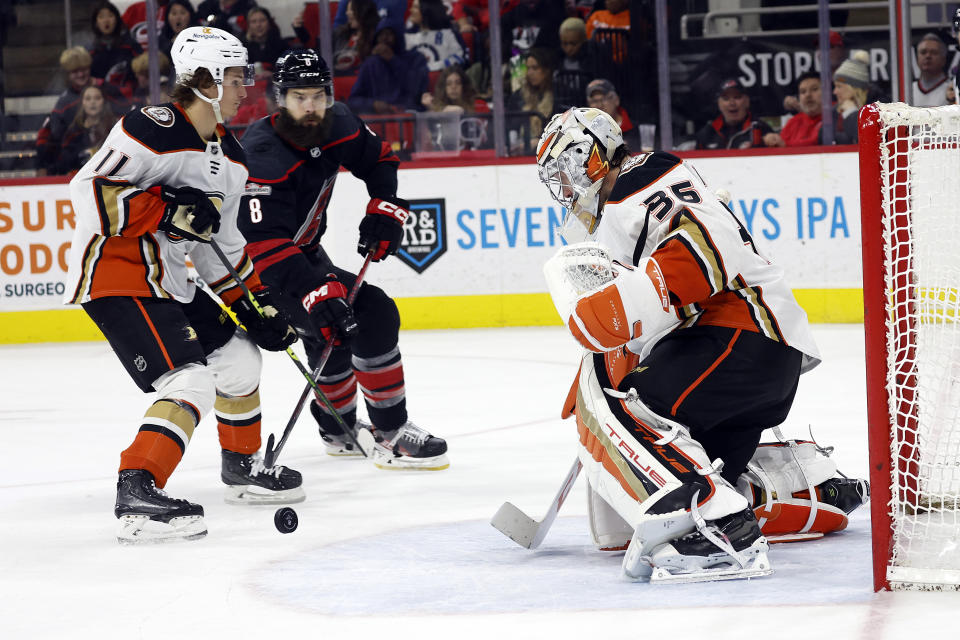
[444, 312]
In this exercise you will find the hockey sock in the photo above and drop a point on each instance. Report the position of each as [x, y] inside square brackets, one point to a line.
[341, 391]
[381, 381]
[164, 433]
[238, 422]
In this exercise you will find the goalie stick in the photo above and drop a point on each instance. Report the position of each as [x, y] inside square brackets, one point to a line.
[293, 356]
[523, 529]
[270, 453]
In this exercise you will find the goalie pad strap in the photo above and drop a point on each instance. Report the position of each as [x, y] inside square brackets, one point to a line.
[794, 516]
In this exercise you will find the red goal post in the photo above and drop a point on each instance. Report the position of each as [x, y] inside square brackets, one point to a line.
[910, 209]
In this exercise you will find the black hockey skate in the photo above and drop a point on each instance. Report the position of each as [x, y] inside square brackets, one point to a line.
[409, 447]
[337, 442]
[845, 494]
[250, 482]
[727, 548]
[147, 514]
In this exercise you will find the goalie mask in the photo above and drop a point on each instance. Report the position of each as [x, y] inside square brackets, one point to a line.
[573, 156]
[214, 50]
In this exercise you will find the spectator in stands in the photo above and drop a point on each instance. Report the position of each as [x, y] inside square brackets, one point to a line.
[930, 89]
[535, 94]
[531, 23]
[75, 63]
[579, 53]
[803, 129]
[140, 95]
[262, 40]
[454, 92]
[113, 46]
[391, 79]
[430, 33]
[135, 17]
[229, 15]
[392, 11]
[470, 15]
[615, 15]
[735, 128]
[353, 41]
[86, 132]
[579, 65]
[180, 15]
[601, 94]
[851, 81]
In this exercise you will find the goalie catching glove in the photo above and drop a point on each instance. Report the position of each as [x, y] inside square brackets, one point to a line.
[189, 214]
[270, 331]
[382, 227]
[329, 310]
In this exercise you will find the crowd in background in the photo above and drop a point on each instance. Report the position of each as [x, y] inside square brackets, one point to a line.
[397, 58]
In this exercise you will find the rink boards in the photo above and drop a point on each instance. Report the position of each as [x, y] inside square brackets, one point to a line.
[473, 250]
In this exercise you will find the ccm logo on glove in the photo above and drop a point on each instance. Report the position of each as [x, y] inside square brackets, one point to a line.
[320, 294]
[388, 208]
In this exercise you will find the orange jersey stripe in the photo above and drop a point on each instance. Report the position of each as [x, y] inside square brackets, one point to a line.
[696, 383]
[153, 330]
[123, 269]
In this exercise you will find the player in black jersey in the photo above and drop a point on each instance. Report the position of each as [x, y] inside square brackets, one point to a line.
[294, 157]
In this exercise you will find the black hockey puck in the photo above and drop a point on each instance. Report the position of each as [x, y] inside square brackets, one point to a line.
[286, 520]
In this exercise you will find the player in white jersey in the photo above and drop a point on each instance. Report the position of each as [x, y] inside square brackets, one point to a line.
[695, 346]
[165, 184]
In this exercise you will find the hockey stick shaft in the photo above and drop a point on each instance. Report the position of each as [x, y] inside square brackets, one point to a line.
[293, 356]
[523, 529]
[271, 453]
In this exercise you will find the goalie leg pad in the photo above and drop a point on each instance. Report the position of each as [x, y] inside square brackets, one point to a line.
[647, 469]
[609, 531]
[795, 492]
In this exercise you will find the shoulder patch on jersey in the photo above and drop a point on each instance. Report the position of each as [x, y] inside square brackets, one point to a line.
[163, 116]
[639, 172]
[254, 189]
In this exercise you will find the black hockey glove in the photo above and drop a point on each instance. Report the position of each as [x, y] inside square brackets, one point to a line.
[272, 330]
[329, 311]
[382, 228]
[190, 215]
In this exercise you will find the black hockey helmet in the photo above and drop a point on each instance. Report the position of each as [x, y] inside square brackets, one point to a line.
[301, 68]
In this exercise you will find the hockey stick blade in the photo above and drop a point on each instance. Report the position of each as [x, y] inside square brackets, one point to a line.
[524, 530]
[268, 453]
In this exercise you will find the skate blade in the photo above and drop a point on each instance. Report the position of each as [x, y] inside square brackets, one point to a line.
[758, 567]
[514, 524]
[340, 452]
[140, 529]
[793, 537]
[403, 463]
[252, 494]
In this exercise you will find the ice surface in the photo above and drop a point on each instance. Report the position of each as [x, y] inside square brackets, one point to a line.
[388, 554]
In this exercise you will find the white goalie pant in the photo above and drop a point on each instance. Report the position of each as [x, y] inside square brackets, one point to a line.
[646, 468]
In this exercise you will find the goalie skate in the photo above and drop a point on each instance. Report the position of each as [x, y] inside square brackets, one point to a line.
[250, 482]
[729, 548]
[409, 448]
[148, 515]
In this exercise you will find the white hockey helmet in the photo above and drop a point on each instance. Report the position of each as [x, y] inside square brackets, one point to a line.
[573, 157]
[214, 50]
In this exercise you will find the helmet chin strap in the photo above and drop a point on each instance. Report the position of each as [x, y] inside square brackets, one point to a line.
[213, 102]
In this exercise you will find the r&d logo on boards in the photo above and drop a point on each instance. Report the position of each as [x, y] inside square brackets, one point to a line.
[424, 234]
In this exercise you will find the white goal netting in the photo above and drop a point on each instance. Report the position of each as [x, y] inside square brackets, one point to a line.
[920, 201]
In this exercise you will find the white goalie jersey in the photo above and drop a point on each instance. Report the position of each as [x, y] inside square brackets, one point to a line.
[117, 250]
[693, 253]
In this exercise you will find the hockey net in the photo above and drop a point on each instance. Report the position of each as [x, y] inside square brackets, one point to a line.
[910, 196]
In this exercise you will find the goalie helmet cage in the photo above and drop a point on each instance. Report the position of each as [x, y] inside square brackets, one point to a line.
[909, 195]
